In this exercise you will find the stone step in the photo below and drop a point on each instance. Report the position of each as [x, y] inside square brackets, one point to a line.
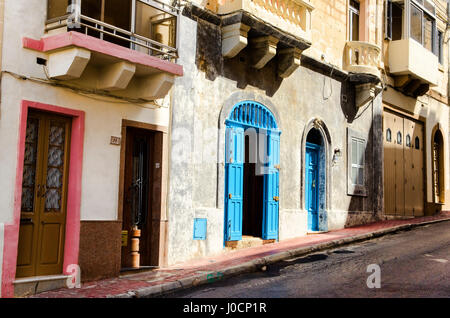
[28, 286]
[247, 241]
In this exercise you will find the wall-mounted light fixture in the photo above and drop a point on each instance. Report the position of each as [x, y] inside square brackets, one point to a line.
[337, 156]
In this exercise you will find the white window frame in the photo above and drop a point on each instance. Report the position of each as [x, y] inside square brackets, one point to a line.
[353, 10]
[407, 22]
[356, 189]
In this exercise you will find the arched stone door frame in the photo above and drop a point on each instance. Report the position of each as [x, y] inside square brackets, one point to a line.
[325, 167]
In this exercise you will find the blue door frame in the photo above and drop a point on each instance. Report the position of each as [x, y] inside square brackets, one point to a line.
[244, 115]
[312, 185]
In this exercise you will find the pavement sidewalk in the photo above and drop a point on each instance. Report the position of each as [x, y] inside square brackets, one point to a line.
[227, 264]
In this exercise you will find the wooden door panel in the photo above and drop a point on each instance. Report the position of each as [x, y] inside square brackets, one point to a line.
[389, 163]
[25, 255]
[50, 242]
[403, 166]
[418, 159]
[398, 136]
[410, 169]
[312, 166]
[30, 203]
[43, 216]
[54, 180]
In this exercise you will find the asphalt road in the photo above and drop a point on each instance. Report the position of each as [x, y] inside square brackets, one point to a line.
[414, 263]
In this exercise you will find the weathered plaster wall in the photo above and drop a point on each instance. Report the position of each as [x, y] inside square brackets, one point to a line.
[197, 155]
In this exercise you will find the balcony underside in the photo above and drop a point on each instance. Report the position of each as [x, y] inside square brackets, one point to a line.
[96, 64]
[411, 86]
[240, 30]
[413, 67]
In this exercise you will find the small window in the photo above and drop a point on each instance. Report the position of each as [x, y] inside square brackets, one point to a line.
[416, 20]
[417, 143]
[399, 138]
[422, 26]
[408, 140]
[353, 18]
[388, 135]
[440, 47]
[356, 151]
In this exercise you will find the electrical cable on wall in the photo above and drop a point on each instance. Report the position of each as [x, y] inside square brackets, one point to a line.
[86, 92]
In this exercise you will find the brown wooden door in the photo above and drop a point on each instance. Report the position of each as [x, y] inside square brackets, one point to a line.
[138, 187]
[413, 150]
[44, 195]
[389, 164]
[403, 165]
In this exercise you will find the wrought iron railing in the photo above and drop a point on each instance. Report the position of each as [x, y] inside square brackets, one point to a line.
[86, 23]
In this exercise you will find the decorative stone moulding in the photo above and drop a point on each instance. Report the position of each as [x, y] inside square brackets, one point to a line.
[292, 16]
[280, 28]
[119, 70]
[365, 93]
[362, 58]
[234, 39]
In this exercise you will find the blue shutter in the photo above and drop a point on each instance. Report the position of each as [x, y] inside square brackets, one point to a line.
[311, 186]
[234, 174]
[271, 188]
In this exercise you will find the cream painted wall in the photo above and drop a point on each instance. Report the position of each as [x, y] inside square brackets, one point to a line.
[100, 174]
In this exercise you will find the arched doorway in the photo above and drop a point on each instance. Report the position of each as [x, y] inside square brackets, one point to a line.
[314, 147]
[252, 157]
[315, 175]
[437, 162]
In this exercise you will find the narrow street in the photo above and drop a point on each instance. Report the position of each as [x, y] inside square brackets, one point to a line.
[413, 263]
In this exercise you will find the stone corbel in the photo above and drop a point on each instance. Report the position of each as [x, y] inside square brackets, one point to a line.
[116, 76]
[154, 86]
[288, 61]
[234, 39]
[263, 49]
[68, 64]
[365, 93]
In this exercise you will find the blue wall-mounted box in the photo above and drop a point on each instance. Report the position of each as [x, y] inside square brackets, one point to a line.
[199, 229]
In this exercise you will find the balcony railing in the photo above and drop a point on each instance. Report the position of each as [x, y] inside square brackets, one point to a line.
[111, 33]
[362, 58]
[292, 16]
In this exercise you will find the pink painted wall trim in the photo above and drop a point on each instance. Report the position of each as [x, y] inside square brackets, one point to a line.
[72, 237]
[77, 39]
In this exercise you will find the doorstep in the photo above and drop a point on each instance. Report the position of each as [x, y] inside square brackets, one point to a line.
[28, 286]
[246, 242]
[316, 232]
[140, 269]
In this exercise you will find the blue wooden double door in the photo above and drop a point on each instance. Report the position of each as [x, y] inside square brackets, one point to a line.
[251, 189]
[312, 185]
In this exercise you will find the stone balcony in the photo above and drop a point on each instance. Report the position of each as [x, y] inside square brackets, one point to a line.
[270, 30]
[91, 63]
[292, 16]
[413, 67]
[362, 60]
